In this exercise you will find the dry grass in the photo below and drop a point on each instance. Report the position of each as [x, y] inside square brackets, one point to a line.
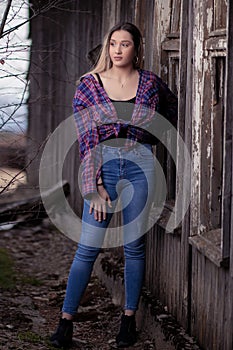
[14, 177]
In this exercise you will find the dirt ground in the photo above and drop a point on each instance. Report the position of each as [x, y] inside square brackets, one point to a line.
[36, 261]
[34, 264]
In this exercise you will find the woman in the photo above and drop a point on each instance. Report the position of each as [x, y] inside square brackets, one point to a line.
[114, 108]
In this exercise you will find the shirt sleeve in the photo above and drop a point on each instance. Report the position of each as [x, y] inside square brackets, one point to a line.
[168, 103]
[88, 138]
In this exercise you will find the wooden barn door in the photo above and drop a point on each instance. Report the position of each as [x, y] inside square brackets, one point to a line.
[211, 217]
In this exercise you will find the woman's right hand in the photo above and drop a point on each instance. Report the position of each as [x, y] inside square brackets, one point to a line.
[98, 204]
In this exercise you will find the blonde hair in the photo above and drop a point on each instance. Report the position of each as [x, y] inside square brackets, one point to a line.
[104, 62]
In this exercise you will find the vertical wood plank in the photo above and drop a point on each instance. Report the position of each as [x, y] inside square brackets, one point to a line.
[227, 207]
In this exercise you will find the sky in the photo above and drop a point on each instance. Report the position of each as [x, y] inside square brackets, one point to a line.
[14, 51]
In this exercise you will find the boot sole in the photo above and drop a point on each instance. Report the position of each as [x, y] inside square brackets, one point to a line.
[124, 345]
[57, 345]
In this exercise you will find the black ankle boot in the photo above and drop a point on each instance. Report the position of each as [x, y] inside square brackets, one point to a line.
[62, 338]
[127, 335]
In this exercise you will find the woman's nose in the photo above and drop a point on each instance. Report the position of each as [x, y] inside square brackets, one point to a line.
[118, 48]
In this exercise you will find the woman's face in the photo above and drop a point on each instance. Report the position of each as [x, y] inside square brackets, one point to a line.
[121, 48]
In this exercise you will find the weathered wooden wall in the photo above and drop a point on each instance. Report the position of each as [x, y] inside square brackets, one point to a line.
[190, 272]
[211, 221]
[58, 59]
[189, 44]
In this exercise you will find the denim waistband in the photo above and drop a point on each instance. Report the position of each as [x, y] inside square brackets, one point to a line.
[125, 148]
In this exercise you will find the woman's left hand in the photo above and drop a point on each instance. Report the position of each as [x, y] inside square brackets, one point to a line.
[98, 204]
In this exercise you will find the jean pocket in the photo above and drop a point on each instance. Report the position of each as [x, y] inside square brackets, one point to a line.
[144, 151]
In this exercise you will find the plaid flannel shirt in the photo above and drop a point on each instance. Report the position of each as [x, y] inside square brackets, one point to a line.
[96, 119]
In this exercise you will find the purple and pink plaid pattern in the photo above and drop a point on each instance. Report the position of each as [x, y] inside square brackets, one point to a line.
[96, 119]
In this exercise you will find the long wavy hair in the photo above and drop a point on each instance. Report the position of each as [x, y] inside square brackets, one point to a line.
[104, 62]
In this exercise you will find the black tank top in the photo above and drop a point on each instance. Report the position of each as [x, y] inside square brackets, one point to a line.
[124, 108]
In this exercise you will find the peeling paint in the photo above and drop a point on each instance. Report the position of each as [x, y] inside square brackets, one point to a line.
[209, 151]
[165, 69]
[209, 19]
[202, 228]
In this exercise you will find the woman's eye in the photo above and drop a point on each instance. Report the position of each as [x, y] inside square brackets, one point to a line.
[122, 44]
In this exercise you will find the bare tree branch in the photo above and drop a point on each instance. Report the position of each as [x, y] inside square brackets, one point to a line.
[25, 167]
[12, 53]
[8, 6]
[10, 117]
[41, 10]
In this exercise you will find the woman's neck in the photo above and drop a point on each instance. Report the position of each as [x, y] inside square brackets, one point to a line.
[121, 73]
[120, 83]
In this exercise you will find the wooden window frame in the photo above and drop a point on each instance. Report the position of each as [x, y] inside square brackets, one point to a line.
[215, 242]
[170, 53]
[217, 27]
[175, 19]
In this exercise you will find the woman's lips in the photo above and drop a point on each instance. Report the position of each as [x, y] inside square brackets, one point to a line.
[117, 58]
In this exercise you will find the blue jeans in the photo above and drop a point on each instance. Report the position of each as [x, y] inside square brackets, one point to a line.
[130, 176]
